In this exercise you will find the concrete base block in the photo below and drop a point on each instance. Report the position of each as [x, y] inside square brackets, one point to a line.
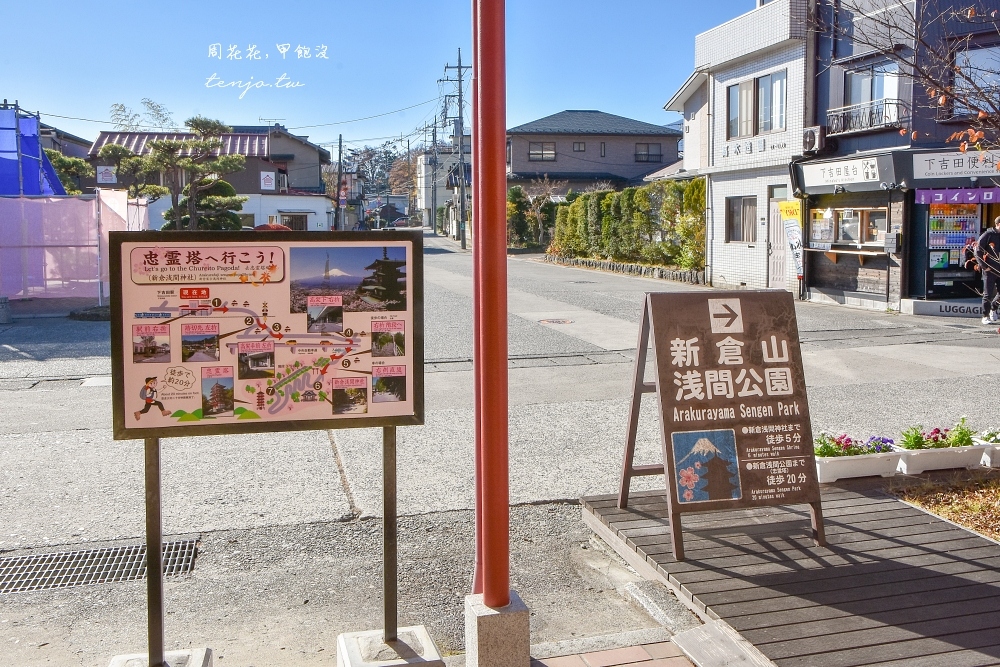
[192, 657]
[496, 637]
[414, 646]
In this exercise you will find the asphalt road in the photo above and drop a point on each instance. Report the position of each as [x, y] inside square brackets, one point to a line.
[290, 523]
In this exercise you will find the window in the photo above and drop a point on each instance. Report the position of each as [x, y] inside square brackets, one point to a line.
[579, 146]
[848, 225]
[741, 219]
[978, 69]
[777, 192]
[542, 151]
[648, 153]
[296, 222]
[602, 149]
[756, 106]
[771, 102]
[879, 82]
[508, 151]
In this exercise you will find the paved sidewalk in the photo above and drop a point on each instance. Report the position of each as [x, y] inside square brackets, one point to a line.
[663, 654]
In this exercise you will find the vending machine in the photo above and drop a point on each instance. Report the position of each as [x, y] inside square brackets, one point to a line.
[950, 228]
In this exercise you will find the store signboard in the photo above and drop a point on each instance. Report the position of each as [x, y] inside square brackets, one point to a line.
[955, 164]
[106, 175]
[267, 180]
[246, 332]
[791, 217]
[839, 172]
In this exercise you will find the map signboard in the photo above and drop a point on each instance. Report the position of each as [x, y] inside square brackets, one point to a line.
[219, 332]
[732, 404]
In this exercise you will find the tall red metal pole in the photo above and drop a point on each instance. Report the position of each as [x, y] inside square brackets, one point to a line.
[477, 253]
[491, 306]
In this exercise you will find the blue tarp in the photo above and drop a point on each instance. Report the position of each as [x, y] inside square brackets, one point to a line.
[29, 171]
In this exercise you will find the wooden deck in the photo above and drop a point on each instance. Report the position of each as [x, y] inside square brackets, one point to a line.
[895, 586]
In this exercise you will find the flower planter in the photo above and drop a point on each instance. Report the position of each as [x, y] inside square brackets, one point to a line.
[831, 468]
[991, 455]
[916, 461]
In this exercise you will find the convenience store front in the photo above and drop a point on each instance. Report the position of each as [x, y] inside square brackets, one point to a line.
[856, 212]
[956, 198]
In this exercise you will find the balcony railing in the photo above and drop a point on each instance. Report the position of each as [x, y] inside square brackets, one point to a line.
[648, 157]
[866, 117]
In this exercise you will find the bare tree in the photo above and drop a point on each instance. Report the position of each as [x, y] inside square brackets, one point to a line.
[156, 117]
[540, 191]
[934, 43]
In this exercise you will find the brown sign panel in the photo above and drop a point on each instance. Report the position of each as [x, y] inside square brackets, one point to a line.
[732, 397]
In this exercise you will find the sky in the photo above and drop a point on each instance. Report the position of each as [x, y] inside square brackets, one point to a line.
[384, 59]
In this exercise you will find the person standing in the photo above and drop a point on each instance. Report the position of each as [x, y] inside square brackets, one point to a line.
[988, 257]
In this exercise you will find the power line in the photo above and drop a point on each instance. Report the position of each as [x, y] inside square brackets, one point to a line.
[298, 127]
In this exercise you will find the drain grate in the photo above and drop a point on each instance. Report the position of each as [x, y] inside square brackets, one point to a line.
[96, 566]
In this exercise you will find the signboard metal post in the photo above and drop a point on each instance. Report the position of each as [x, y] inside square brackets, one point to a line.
[389, 539]
[732, 405]
[154, 552]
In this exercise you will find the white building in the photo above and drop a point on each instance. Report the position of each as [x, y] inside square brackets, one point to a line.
[743, 110]
[302, 212]
[447, 158]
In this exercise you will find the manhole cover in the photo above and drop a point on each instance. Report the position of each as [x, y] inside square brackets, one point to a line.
[96, 566]
[556, 321]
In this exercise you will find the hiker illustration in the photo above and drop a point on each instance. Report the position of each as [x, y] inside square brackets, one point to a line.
[148, 394]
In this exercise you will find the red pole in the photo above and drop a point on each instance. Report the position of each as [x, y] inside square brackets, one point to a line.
[492, 304]
[477, 253]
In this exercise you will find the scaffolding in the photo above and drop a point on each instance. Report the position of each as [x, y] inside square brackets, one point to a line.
[25, 170]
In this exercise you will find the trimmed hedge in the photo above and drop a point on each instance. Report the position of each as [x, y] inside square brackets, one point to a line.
[644, 270]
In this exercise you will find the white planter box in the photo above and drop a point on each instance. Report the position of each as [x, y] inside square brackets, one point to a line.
[991, 455]
[916, 461]
[831, 468]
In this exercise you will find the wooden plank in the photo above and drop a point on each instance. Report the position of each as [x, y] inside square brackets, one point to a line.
[791, 551]
[715, 644]
[846, 597]
[943, 607]
[859, 579]
[752, 565]
[925, 646]
[953, 659]
[961, 595]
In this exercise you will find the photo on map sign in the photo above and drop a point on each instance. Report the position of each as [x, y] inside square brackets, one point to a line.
[324, 319]
[706, 465]
[388, 343]
[350, 401]
[217, 395]
[368, 278]
[255, 365]
[388, 388]
[199, 346]
[150, 346]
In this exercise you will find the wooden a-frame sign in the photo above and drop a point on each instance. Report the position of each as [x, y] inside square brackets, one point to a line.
[732, 403]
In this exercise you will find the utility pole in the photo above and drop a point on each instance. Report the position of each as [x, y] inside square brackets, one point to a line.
[412, 179]
[337, 221]
[460, 129]
[434, 176]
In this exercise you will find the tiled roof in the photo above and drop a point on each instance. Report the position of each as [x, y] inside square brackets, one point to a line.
[250, 145]
[591, 122]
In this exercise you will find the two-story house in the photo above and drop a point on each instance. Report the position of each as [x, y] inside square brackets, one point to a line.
[743, 115]
[282, 177]
[889, 201]
[585, 148]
